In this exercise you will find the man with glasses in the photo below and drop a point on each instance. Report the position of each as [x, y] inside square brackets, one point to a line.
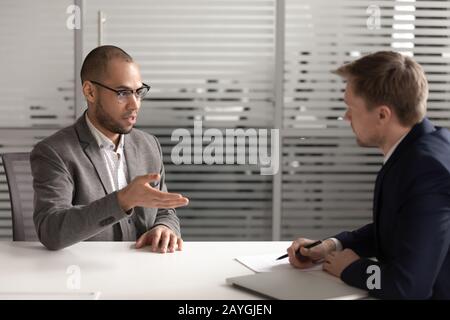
[100, 179]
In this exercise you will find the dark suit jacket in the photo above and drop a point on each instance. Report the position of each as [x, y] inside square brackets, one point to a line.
[74, 200]
[410, 232]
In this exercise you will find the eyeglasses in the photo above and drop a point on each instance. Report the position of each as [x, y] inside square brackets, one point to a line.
[124, 94]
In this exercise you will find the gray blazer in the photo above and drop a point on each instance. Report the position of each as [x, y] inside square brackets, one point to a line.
[73, 199]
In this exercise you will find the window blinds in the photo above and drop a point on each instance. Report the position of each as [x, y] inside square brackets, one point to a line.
[210, 61]
[327, 179]
[36, 86]
[214, 61]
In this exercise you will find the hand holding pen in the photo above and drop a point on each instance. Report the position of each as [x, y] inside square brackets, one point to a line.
[305, 253]
[298, 253]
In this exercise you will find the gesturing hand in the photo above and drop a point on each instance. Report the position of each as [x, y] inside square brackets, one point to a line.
[140, 193]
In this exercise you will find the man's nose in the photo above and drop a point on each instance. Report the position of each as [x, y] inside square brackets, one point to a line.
[134, 102]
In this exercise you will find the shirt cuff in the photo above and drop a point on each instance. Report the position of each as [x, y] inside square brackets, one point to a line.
[337, 243]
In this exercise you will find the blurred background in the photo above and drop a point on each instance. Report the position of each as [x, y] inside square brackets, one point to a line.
[232, 64]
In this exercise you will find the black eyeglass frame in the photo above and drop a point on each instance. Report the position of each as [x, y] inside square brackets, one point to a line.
[120, 93]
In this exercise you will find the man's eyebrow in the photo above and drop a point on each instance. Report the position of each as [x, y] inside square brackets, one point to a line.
[125, 87]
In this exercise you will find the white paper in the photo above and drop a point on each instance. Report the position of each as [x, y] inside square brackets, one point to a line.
[269, 262]
[49, 295]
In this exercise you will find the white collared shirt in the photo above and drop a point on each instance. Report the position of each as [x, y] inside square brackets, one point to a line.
[114, 160]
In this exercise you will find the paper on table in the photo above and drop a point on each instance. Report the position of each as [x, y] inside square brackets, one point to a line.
[269, 262]
[49, 295]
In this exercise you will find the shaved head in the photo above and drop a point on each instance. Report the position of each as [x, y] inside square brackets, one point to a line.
[95, 65]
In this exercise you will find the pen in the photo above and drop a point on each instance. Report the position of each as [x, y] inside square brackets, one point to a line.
[298, 254]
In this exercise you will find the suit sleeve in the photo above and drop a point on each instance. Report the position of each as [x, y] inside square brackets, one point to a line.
[167, 217]
[362, 240]
[58, 223]
[420, 245]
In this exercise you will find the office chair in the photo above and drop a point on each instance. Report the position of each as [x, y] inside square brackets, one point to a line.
[21, 193]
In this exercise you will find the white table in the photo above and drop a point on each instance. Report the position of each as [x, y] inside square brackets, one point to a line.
[118, 271]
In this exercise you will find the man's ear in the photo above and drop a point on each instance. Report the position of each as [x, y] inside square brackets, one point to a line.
[89, 91]
[384, 113]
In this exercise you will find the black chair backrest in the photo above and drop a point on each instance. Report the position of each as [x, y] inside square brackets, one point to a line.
[21, 193]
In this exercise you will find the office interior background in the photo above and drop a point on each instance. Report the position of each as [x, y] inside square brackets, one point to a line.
[231, 64]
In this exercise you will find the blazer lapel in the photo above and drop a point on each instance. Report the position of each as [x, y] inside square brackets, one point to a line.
[377, 204]
[134, 169]
[416, 132]
[131, 157]
[92, 151]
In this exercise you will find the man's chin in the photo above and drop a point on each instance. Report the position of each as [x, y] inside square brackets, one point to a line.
[127, 130]
[364, 144]
[122, 130]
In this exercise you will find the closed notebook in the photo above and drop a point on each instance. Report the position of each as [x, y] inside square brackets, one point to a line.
[297, 285]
